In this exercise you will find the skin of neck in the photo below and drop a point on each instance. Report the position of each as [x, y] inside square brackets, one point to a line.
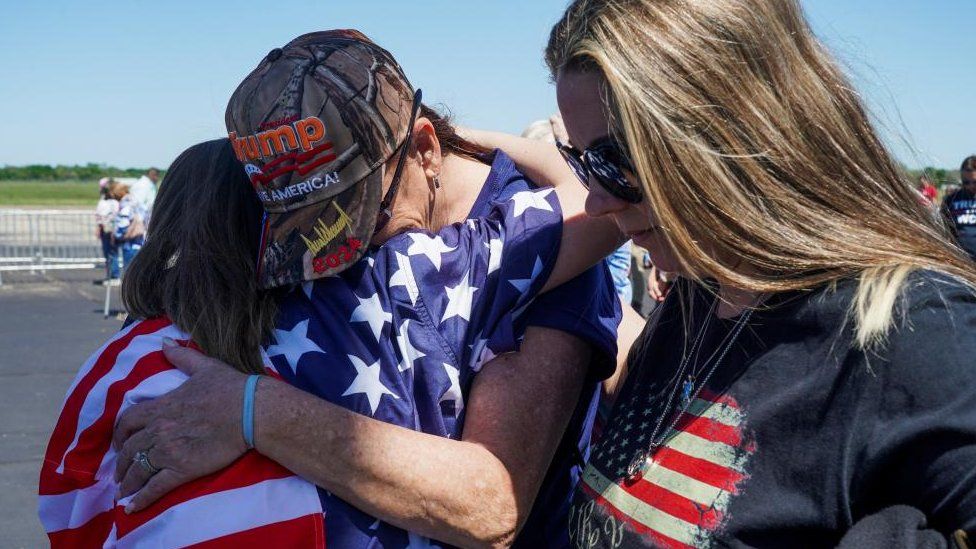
[733, 301]
[422, 204]
[461, 181]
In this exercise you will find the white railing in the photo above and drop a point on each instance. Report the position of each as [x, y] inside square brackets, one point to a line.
[40, 240]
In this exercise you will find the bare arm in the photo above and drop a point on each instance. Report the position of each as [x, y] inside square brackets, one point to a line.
[471, 492]
[474, 492]
[631, 325]
[585, 239]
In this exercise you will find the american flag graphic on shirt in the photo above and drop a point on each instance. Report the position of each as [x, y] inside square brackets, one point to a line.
[253, 502]
[681, 498]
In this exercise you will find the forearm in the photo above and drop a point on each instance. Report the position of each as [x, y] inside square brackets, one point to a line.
[456, 492]
[472, 492]
[585, 240]
[539, 160]
[631, 325]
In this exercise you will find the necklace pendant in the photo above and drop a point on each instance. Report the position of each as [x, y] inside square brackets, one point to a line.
[634, 468]
[686, 389]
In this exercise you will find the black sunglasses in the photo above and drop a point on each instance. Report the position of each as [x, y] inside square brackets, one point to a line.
[605, 161]
[384, 215]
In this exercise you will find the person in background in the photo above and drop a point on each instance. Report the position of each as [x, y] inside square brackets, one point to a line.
[143, 191]
[959, 207]
[129, 229]
[658, 281]
[105, 213]
[927, 190]
[619, 264]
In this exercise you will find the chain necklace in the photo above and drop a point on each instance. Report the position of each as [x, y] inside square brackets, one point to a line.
[688, 393]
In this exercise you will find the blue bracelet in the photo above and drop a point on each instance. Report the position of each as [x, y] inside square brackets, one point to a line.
[247, 417]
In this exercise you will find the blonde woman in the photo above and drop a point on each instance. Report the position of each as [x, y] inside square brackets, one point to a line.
[813, 380]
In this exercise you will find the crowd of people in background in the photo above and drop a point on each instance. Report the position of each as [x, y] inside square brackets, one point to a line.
[121, 218]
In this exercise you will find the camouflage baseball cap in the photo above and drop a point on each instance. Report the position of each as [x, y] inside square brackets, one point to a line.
[314, 124]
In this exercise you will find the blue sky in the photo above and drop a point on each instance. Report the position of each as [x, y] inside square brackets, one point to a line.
[132, 83]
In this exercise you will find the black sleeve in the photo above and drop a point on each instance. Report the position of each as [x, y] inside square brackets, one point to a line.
[898, 526]
[922, 445]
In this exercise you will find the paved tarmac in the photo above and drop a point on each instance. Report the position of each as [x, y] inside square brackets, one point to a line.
[49, 325]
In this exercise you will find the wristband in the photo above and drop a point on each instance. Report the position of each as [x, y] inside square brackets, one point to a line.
[247, 417]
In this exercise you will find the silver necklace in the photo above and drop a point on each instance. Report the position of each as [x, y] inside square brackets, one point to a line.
[689, 393]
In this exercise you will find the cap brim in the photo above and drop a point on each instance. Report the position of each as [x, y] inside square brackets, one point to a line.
[322, 239]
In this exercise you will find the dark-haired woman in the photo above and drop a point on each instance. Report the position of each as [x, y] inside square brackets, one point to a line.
[197, 271]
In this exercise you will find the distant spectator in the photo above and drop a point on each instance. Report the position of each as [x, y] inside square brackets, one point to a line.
[959, 207]
[619, 264]
[658, 281]
[130, 226]
[927, 189]
[143, 191]
[105, 213]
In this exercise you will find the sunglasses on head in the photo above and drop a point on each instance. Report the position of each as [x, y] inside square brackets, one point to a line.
[605, 161]
[384, 215]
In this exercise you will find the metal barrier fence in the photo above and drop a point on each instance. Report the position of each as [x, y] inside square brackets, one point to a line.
[40, 240]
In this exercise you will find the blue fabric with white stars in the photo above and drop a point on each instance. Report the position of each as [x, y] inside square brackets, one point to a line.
[399, 335]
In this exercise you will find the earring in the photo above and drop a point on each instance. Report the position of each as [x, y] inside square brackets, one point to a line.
[437, 182]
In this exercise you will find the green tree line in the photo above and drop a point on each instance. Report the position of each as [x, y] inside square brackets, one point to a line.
[940, 177]
[44, 172]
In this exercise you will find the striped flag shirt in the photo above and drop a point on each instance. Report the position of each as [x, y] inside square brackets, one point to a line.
[253, 502]
[683, 492]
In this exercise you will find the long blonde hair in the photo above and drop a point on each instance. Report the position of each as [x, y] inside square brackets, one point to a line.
[750, 143]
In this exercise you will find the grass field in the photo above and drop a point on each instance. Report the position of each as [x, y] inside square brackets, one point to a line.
[48, 193]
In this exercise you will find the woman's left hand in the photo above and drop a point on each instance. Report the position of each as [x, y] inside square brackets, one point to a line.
[188, 433]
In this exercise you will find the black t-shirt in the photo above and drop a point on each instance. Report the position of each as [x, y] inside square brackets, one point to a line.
[797, 436]
[960, 209]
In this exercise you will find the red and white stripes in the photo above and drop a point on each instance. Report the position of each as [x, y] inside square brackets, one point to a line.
[252, 502]
[683, 492]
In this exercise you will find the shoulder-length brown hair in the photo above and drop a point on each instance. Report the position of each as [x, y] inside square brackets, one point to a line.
[198, 266]
[749, 141]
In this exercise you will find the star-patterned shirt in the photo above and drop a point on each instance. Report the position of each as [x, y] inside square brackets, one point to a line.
[400, 335]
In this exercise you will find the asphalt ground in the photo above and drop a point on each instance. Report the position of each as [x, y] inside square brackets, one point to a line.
[49, 325]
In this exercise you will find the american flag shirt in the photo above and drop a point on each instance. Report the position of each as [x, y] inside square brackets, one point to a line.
[400, 336]
[254, 502]
[681, 497]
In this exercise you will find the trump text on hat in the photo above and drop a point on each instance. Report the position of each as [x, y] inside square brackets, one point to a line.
[302, 134]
